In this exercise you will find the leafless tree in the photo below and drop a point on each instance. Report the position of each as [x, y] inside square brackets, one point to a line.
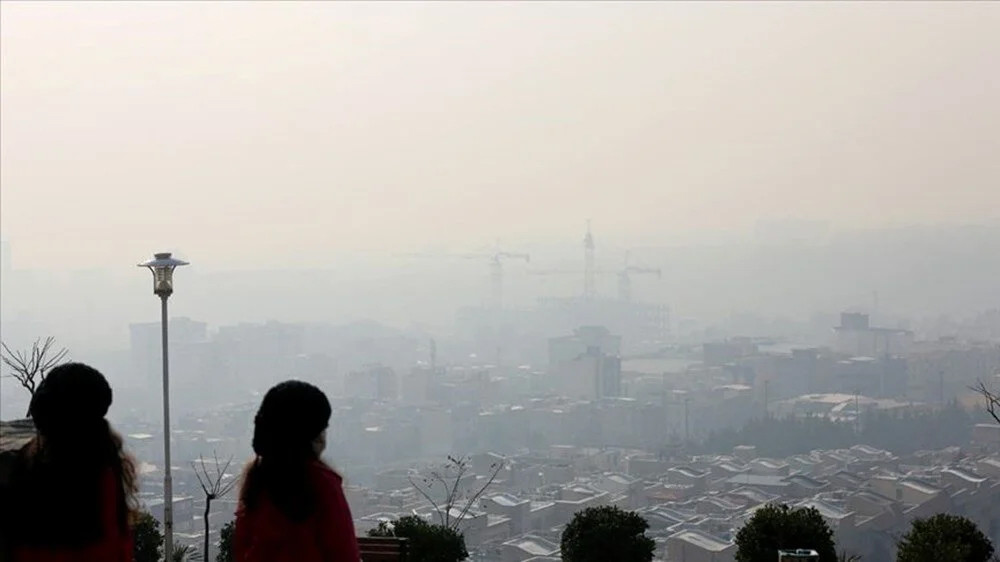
[214, 486]
[992, 399]
[448, 479]
[30, 367]
[181, 552]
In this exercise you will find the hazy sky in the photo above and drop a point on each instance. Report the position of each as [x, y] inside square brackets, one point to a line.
[232, 129]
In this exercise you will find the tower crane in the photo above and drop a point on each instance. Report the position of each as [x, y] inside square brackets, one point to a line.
[496, 273]
[589, 273]
[496, 257]
[625, 281]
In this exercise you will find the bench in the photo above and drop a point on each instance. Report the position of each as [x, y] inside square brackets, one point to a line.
[382, 549]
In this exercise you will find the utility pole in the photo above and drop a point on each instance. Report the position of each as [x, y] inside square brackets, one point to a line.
[687, 429]
[765, 397]
[857, 413]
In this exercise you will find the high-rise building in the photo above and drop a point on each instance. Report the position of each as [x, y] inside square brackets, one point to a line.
[145, 347]
[566, 348]
[856, 337]
[586, 365]
[374, 382]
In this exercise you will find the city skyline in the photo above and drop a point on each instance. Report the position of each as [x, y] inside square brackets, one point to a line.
[528, 276]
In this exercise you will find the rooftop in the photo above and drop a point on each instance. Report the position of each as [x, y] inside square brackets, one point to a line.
[805, 481]
[538, 505]
[919, 485]
[773, 481]
[965, 475]
[688, 471]
[849, 477]
[702, 540]
[754, 494]
[506, 500]
[827, 510]
[533, 545]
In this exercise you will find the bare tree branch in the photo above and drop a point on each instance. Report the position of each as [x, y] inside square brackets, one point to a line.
[461, 466]
[204, 487]
[427, 496]
[30, 367]
[213, 487]
[440, 478]
[450, 477]
[495, 470]
[992, 399]
[225, 489]
[445, 513]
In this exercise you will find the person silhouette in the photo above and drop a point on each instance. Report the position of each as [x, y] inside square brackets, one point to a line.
[72, 490]
[292, 505]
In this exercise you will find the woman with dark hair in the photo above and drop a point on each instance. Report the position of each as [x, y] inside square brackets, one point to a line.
[72, 489]
[292, 505]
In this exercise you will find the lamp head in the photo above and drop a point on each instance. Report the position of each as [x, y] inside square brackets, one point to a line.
[162, 265]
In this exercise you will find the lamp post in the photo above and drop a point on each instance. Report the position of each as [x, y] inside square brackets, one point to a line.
[162, 265]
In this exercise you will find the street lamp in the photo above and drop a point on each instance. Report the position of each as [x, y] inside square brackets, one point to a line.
[162, 265]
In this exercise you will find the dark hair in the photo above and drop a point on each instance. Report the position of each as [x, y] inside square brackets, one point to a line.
[291, 417]
[55, 489]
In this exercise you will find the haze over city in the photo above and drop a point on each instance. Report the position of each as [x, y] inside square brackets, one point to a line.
[335, 135]
[377, 192]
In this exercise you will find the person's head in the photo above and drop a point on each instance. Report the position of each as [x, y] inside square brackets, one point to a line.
[289, 433]
[291, 421]
[70, 404]
[58, 479]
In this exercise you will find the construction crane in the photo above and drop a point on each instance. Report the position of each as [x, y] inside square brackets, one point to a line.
[496, 257]
[625, 281]
[496, 272]
[589, 273]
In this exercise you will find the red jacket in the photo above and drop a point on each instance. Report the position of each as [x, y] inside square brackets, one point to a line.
[115, 546]
[266, 535]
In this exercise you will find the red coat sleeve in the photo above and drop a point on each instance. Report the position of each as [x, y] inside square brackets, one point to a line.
[118, 542]
[241, 535]
[337, 532]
